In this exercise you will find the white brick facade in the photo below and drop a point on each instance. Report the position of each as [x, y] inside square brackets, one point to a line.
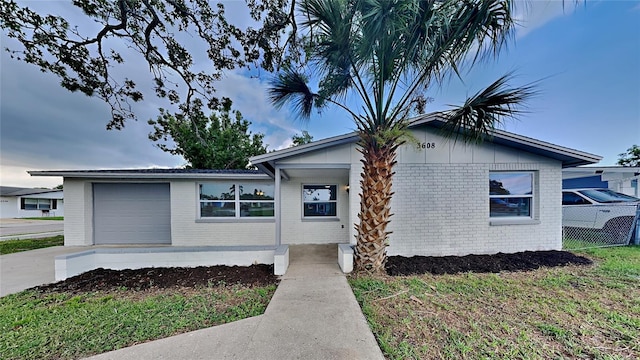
[187, 231]
[443, 209]
[440, 205]
[78, 220]
[441, 200]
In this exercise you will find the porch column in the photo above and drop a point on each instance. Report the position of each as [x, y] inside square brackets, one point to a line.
[278, 208]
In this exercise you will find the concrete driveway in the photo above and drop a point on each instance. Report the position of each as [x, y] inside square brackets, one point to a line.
[29, 229]
[23, 270]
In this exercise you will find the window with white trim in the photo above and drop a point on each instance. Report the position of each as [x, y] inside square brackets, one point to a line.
[511, 194]
[225, 199]
[319, 201]
[38, 204]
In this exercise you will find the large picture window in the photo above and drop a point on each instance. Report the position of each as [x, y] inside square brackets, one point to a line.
[510, 194]
[38, 204]
[319, 200]
[236, 200]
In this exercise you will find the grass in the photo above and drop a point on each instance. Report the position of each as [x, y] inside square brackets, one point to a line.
[588, 242]
[14, 246]
[551, 313]
[68, 326]
[45, 218]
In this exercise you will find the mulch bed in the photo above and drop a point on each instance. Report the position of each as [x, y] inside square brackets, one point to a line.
[523, 261]
[262, 275]
[162, 278]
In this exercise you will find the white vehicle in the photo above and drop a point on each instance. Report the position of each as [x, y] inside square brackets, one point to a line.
[600, 209]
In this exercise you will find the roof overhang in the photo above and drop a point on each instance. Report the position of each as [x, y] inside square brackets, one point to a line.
[568, 157]
[620, 172]
[136, 175]
[28, 192]
[266, 162]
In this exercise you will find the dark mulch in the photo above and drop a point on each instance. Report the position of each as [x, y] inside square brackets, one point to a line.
[262, 275]
[523, 261]
[162, 278]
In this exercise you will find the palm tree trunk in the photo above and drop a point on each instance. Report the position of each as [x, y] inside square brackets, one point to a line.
[375, 206]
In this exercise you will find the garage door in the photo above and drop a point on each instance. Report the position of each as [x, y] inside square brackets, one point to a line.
[127, 213]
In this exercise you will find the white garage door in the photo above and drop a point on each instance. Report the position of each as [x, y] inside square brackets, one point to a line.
[125, 213]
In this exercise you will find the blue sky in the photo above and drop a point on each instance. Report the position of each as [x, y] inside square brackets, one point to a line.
[588, 61]
[588, 58]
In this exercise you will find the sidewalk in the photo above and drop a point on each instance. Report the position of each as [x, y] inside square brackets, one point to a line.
[312, 315]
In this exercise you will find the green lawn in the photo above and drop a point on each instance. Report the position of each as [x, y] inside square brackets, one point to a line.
[13, 246]
[71, 326]
[552, 313]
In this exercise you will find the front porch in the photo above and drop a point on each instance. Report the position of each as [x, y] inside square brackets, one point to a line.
[313, 204]
[120, 258]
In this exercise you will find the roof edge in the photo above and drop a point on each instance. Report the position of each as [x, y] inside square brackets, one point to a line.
[301, 149]
[114, 174]
[438, 119]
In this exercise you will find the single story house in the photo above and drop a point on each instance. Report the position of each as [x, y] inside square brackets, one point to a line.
[503, 195]
[623, 179]
[19, 202]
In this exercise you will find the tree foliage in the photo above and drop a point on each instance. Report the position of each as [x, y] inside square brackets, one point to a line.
[301, 139]
[631, 157]
[165, 33]
[388, 54]
[221, 140]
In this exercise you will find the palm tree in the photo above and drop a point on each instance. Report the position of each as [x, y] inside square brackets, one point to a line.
[389, 53]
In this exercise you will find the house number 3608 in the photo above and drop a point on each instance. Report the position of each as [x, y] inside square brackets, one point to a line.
[427, 145]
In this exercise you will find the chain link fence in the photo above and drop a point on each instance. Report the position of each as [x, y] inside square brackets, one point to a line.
[589, 226]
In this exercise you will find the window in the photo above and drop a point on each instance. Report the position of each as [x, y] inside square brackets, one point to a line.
[606, 196]
[319, 200]
[256, 199]
[569, 198]
[38, 204]
[510, 194]
[237, 200]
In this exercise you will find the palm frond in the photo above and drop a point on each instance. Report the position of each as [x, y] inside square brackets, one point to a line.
[290, 87]
[482, 113]
[446, 32]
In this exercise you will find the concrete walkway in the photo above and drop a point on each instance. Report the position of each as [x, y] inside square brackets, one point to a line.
[27, 269]
[312, 315]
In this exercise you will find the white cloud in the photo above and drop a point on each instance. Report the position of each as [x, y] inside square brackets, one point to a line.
[249, 95]
[11, 175]
[534, 14]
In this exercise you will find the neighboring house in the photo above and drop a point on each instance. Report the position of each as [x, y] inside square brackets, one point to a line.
[17, 202]
[622, 179]
[503, 195]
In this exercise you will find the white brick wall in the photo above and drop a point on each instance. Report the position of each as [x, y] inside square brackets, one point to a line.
[443, 209]
[440, 206]
[78, 220]
[441, 200]
[185, 231]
